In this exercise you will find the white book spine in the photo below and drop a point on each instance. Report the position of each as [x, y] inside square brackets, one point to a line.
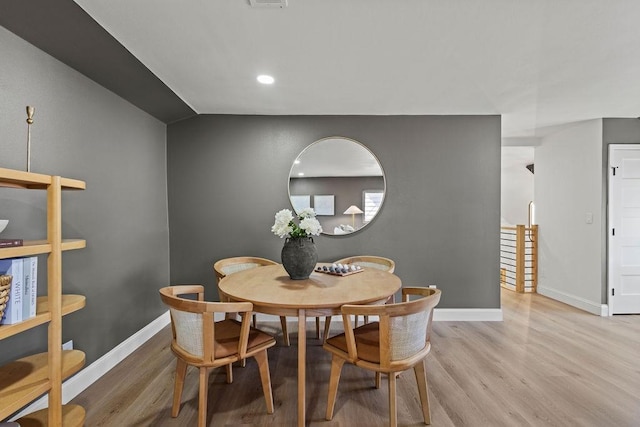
[13, 311]
[33, 297]
[26, 287]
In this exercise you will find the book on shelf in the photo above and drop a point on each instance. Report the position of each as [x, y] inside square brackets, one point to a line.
[13, 311]
[33, 303]
[26, 287]
[30, 287]
[8, 243]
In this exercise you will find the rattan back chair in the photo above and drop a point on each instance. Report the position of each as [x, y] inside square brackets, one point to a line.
[199, 341]
[364, 261]
[227, 266]
[398, 341]
[370, 261]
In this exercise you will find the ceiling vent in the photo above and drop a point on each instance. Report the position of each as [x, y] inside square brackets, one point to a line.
[268, 3]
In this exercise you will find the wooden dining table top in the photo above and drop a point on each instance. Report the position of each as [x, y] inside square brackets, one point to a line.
[270, 286]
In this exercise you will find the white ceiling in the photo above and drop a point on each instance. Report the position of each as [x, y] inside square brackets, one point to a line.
[538, 63]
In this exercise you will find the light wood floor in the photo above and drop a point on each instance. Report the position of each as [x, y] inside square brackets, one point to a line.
[547, 364]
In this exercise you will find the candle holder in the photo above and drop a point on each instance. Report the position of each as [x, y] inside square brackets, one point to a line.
[30, 111]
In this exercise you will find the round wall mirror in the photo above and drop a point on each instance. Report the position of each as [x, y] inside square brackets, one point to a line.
[342, 180]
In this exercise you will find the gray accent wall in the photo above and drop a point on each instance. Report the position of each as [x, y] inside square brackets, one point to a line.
[440, 221]
[84, 131]
[620, 131]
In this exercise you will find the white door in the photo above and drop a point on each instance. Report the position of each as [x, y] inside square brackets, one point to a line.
[624, 229]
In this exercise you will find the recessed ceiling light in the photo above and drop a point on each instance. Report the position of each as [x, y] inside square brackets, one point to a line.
[265, 79]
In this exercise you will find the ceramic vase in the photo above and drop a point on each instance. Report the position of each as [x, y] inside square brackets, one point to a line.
[299, 257]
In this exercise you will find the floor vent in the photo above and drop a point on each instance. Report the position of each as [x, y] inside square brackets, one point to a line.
[268, 3]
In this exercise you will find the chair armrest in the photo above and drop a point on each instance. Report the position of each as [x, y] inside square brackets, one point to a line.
[374, 310]
[189, 289]
[415, 290]
[366, 310]
[355, 310]
[230, 307]
[245, 310]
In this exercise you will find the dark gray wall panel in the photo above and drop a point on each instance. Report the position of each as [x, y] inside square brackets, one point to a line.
[621, 131]
[64, 30]
[440, 221]
[84, 131]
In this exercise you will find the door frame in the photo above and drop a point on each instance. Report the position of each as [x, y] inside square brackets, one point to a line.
[612, 147]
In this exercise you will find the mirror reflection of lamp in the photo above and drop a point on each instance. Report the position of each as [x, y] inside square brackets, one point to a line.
[353, 210]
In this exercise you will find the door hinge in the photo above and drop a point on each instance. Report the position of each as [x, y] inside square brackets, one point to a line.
[613, 169]
[613, 231]
[613, 292]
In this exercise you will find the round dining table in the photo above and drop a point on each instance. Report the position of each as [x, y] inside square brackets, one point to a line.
[271, 291]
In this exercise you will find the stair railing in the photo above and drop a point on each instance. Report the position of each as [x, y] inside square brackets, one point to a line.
[519, 258]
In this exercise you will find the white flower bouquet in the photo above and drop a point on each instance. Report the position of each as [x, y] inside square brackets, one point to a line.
[285, 226]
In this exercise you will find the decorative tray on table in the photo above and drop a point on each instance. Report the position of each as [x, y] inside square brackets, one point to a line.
[339, 269]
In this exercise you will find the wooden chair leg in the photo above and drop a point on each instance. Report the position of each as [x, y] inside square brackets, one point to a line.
[181, 370]
[393, 407]
[317, 328]
[366, 320]
[202, 397]
[263, 365]
[327, 326]
[379, 378]
[334, 379]
[285, 332]
[229, 368]
[254, 320]
[423, 389]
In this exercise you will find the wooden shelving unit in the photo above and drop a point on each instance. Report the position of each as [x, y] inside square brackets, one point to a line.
[26, 379]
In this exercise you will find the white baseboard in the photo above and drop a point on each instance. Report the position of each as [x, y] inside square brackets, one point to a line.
[592, 307]
[439, 314]
[467, 315]
[83, 379]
